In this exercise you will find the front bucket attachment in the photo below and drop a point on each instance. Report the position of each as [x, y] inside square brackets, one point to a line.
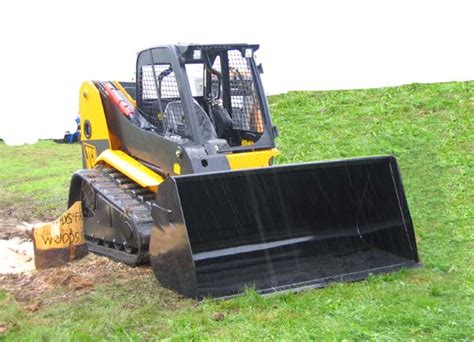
[281, 228]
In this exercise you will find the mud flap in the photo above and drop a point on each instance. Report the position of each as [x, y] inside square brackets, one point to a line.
[58, 242]
[281, 228]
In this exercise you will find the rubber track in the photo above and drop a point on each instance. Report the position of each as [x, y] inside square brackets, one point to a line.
[132, 201]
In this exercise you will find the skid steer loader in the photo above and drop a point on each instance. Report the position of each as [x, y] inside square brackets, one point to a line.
[178, 172]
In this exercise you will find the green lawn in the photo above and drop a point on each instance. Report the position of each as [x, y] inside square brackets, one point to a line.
[429, 128]
[35, 178]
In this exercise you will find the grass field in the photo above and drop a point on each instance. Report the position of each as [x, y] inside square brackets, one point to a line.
[429, 128]
[35, 178]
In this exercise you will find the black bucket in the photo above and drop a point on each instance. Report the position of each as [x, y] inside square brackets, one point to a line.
[281, 228]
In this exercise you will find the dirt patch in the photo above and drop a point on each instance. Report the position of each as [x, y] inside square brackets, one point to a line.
[33, 307]
[30, 286]
[10, 225]
[69, 280]
[218, 316]
[13, 224]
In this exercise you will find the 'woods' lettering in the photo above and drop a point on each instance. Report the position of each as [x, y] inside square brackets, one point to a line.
[65, 238]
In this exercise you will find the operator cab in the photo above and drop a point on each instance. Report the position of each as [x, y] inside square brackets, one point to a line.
[204, 93]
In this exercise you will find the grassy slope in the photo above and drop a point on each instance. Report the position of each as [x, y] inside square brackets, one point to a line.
[429, 128]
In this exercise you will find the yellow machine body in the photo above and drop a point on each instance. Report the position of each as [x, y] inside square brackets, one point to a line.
[103, 147]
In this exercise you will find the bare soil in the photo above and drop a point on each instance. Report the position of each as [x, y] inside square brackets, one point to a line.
[79, 276]
[19, 278]
[10, 224]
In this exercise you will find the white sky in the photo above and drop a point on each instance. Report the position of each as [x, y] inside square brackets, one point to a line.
[49, 47]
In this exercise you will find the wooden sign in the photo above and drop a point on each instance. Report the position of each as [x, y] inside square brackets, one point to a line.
[60, 241]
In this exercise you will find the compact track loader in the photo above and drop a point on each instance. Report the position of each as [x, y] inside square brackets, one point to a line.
[178, 172]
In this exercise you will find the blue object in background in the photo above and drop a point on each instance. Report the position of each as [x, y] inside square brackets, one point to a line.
[70, 138]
